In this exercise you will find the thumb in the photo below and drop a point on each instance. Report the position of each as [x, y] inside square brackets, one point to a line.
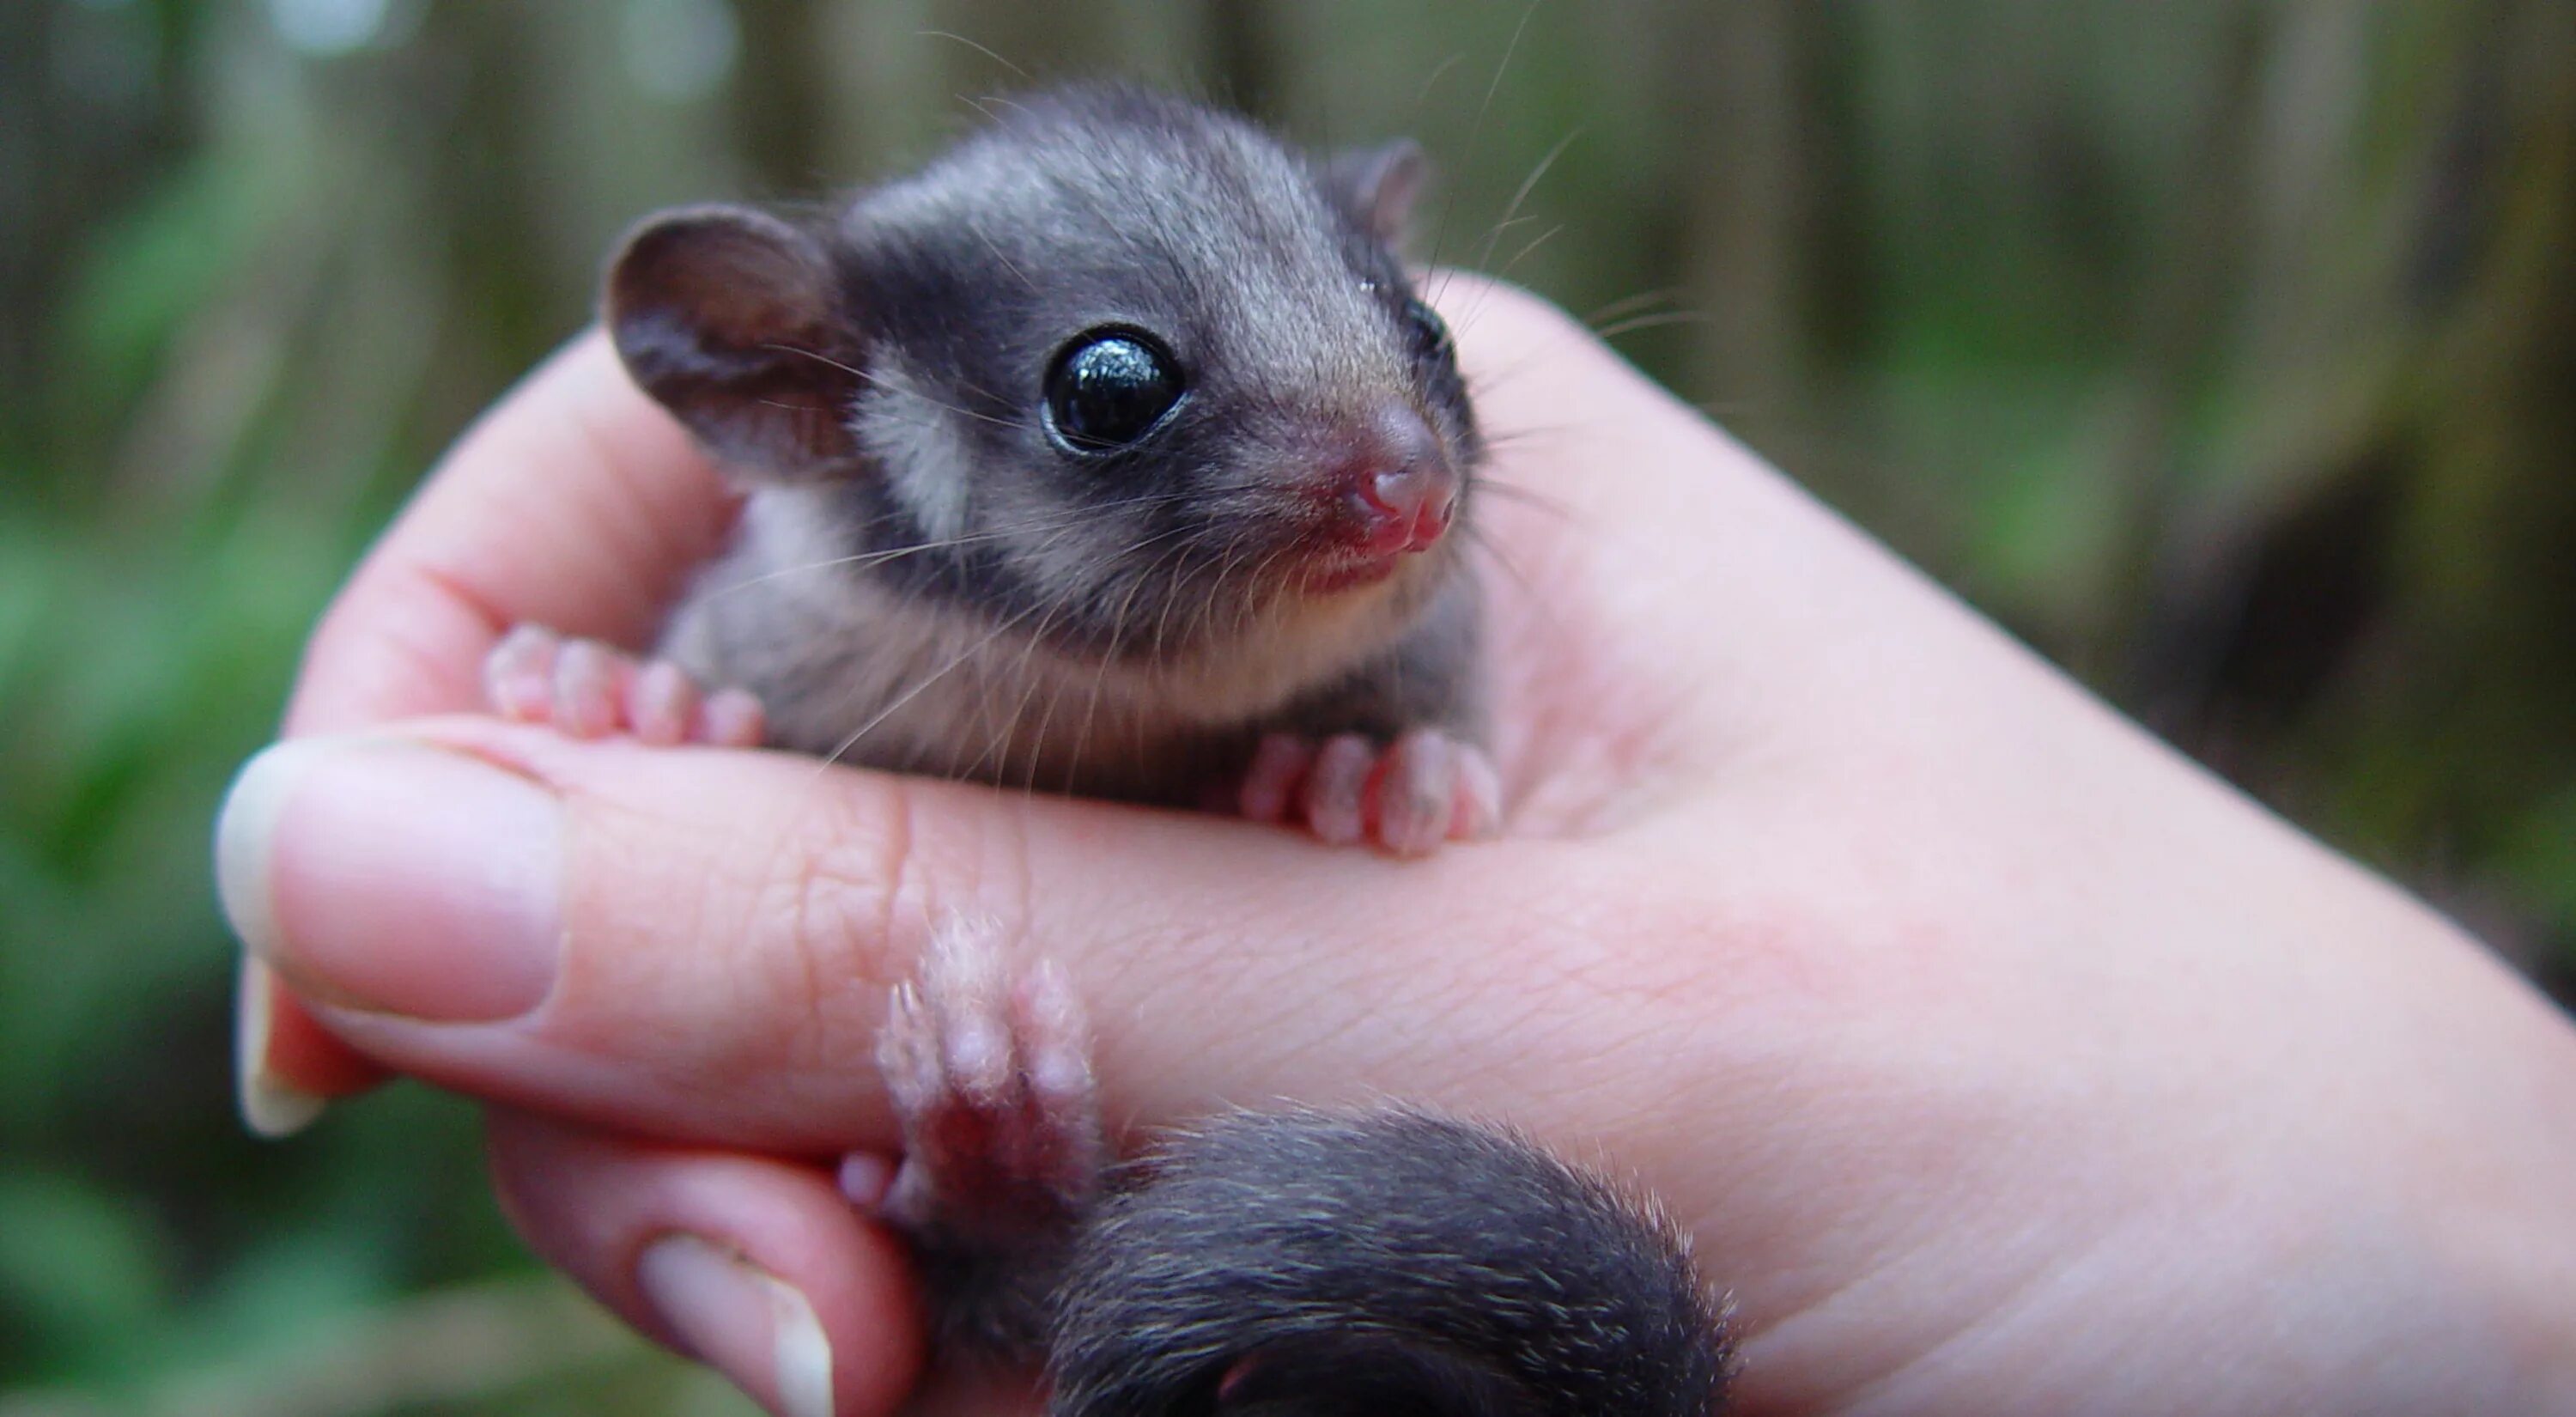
[697, 944]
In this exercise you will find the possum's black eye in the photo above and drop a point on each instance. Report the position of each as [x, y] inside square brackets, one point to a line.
[1430, 332]
[1109, 388]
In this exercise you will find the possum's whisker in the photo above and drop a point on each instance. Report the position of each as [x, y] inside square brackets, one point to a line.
[994, 248]
[1520, 434]
[984, 50]
[1478, 539]
[1050, 608]
[1617, 328]
[1534, 599]
[1422, 95]
[1203, 623]
[1487, 381]
[862, 560]
[1540, 240]
[867, 377]
[1511, 209]
[1511, 212]
[1627, 304]
[1134, 748]
[1244, 612]
[1000, 733]
[1603, 322]
[1228, 557]
[998, 745]
[918, 689]
[1000, 736]
[1159, 641]
[1120, 627]
[1476, 131]
[1031, 683]
[1100, 672]
[1526, 496]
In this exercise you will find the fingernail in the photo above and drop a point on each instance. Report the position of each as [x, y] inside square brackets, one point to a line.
[271, 1106]
[392, 876]
[742, 1320]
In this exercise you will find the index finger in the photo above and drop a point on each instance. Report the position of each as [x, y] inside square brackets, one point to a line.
[576, 503]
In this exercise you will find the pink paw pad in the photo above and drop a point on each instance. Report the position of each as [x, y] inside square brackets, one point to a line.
[1405, 797]
[589, 690]
[989, 1068]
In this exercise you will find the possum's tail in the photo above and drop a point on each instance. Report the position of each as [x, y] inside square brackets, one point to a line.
[1378, 1261]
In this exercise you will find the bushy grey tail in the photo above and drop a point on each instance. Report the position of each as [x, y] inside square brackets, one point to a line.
[1381, 1261]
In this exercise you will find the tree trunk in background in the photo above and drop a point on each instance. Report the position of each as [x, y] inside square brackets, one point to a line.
[1735, 79]
[29, 213]
[2184, 318]
[2385, 644]
[780, 98]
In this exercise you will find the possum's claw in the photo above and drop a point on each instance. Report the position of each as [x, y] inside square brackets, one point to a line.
[589, 690]
[989, 1068]
[1405, 797]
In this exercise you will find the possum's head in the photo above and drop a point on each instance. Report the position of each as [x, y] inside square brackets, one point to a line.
[1137, 380]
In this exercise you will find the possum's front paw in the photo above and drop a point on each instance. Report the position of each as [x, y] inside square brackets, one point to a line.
[1406, 797]
[989, 1068]
[591, 690]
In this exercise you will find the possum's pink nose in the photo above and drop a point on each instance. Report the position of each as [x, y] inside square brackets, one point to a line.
[1402, 492]
[1407, 509]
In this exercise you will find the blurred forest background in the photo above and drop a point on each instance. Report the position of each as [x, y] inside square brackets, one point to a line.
[2227, 351]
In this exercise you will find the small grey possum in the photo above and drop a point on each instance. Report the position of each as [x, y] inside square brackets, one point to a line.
[1114, 452]
[1111, 453]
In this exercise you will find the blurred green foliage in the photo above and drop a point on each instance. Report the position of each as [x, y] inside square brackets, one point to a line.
[2225, 350]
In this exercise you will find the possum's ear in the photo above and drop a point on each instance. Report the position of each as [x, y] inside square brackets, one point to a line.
[1377, 186]
[732, 319]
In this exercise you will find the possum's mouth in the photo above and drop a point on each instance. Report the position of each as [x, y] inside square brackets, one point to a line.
[1332, 576]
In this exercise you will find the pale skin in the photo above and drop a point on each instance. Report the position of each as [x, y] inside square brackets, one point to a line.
[1998, 1059]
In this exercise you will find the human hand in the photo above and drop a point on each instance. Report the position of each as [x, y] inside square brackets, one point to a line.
[1998, 1059]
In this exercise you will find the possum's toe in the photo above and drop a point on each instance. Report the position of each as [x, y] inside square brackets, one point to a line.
[988, 1065]
[1405, 798]
[586, 689]
[1337, 790]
